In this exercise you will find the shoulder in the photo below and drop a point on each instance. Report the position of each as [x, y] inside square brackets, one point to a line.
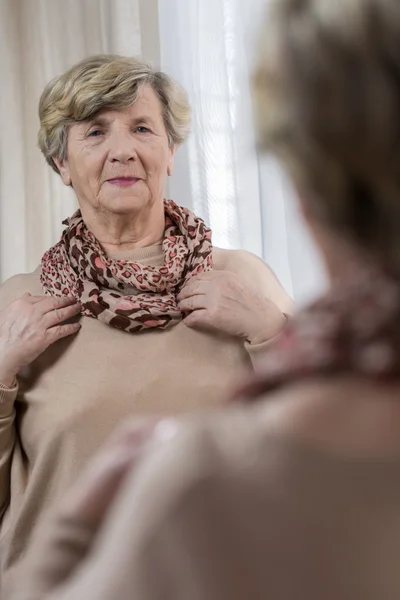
[213, 457]
[316, 411]
[202, 453]
[18, 285]
[256, 273]
[238, 261]
[188, 481]
[184, 498]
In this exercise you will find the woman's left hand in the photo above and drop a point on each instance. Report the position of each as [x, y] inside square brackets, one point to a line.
[222, 301]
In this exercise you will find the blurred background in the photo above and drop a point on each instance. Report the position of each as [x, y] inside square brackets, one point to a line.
[209, 47]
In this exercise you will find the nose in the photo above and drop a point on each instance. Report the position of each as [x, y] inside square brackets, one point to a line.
[122, 147]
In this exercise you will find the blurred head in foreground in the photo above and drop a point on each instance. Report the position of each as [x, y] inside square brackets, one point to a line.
[327, 89]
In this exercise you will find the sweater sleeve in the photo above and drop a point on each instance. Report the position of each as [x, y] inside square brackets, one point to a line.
[10, 290]
[259, 352]
[7, 439]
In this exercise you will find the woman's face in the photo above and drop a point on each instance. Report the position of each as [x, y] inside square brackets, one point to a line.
[119, 161]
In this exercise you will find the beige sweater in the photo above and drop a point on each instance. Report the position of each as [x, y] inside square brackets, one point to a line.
[73, 396]
[228, 510]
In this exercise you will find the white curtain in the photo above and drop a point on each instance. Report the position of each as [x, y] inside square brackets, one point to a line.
[209, 46]
[39, 39]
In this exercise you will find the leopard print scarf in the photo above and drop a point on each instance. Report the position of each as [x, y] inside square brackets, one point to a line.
[354, 329]
[125, 295]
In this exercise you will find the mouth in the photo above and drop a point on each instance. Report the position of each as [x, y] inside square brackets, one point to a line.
[123, 181]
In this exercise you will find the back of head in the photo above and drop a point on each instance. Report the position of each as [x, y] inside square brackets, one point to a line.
[327, 90]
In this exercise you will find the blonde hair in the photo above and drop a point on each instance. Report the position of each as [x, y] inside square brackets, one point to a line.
[327, 95]
[106, 81]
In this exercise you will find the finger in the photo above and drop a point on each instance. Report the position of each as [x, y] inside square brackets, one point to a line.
[28, 297]
[34, 299]
[195, 287]
[59, 332]
[208, 275]
[198, 318]
[45, 304]
[60, 315]
[193, 303]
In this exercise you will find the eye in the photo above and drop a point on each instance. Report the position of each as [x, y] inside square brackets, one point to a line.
[95, 133]
[142, 129]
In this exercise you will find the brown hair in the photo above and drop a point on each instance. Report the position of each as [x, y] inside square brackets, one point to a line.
[106, 81]
[327, 90]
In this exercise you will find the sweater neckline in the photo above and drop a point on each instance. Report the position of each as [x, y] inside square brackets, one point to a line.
[140, 255]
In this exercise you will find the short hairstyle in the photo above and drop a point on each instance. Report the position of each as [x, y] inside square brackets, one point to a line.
[327, 96]
[100, 82]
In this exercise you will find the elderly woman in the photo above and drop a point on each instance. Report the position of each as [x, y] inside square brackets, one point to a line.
[133, 312]
[298, 496]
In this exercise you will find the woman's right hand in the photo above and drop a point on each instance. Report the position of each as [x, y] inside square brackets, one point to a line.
[28, 326]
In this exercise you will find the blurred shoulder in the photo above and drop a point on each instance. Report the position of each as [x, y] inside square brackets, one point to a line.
[256, 273]
[177, 501]
[242, 444]
[184, 483]
[20, 284]
[205, 449]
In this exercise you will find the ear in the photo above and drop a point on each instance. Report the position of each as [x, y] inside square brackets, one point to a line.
[171, 161]
[63, 167]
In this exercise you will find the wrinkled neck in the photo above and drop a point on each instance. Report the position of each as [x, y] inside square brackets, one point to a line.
[128, 232]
